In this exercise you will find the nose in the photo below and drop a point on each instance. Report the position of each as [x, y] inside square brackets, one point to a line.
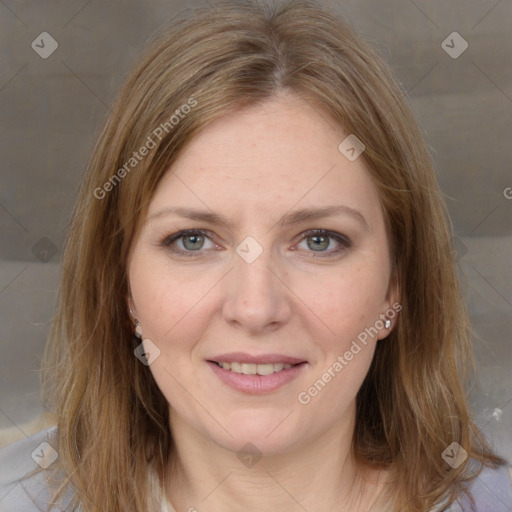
[256, 297]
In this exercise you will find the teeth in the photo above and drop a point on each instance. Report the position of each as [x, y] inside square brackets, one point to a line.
[250, 369]
[253, 369]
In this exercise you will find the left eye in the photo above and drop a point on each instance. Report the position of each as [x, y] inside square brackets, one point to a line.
[320, 241]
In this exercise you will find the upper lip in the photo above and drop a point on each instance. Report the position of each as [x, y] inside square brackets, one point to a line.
[241, 357]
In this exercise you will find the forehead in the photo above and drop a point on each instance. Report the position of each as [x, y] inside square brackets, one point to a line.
[269, 158]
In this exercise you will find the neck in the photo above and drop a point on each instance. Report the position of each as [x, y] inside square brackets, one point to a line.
[314, 476]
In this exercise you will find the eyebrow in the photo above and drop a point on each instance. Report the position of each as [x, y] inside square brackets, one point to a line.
[289, 219]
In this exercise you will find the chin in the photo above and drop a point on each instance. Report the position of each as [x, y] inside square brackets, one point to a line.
[267, 432]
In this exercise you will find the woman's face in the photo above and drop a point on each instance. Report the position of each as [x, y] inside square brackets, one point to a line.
[253, 282]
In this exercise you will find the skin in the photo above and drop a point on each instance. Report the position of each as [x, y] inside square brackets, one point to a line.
[253, 167]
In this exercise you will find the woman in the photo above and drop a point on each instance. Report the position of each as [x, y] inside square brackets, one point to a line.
[259, 306]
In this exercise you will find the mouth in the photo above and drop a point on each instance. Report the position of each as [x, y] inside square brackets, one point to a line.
[256, 374]
[255, 369]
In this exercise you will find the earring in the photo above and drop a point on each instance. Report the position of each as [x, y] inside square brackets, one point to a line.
[387, 323]
[138, 329]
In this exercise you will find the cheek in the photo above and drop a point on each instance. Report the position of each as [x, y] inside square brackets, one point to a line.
[169, 304]
[345, 302]
[348, 304]
[174, 310]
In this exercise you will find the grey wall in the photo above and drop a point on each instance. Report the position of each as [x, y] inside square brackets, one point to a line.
[52, 109]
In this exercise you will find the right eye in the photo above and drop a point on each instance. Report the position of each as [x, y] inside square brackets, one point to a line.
[187, 242]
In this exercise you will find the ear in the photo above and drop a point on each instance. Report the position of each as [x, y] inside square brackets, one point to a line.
[131, 306]
[394, 292]
[392, 305]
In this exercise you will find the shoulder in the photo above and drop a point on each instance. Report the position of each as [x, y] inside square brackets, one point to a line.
[491, 491]
[20, 490]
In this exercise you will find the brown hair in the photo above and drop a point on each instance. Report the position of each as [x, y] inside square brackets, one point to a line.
[113, 421]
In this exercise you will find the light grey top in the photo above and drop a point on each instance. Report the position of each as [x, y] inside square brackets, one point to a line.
[492, 490]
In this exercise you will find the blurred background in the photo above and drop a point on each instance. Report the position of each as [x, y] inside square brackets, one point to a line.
[62, 63]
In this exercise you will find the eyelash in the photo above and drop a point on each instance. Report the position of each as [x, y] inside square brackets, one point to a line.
[344, 242]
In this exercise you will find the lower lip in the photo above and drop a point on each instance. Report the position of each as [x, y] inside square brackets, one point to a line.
[257, 384]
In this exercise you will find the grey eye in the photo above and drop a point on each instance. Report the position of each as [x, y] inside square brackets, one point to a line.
[322, 243]
[192, 242]
[318, 242]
